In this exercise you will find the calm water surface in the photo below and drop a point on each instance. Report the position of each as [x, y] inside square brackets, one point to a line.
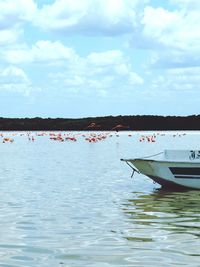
[74, 204]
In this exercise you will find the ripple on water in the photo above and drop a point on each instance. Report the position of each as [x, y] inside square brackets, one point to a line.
[72, 205]
[166, 224]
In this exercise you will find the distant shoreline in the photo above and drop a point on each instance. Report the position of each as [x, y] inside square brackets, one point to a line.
[114, 123]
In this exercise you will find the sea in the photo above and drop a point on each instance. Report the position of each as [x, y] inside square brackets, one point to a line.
[66, 200]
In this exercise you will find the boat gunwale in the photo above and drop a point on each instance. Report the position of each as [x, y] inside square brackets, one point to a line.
[161, 161]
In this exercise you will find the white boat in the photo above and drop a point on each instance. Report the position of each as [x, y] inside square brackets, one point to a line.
[170, 168]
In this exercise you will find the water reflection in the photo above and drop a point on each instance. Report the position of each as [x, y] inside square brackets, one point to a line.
[165, 208]
[164, 222]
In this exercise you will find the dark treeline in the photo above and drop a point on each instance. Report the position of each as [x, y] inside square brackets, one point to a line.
[137, 123]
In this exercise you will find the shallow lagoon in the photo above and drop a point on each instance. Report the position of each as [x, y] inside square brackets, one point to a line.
[74, 204]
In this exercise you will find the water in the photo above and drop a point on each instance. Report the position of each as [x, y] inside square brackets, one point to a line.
[71, 204]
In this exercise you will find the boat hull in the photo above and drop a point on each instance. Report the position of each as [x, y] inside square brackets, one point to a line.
[170, 174]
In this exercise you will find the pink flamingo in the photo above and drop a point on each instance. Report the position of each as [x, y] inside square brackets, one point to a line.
[93, 125]
[120, 127]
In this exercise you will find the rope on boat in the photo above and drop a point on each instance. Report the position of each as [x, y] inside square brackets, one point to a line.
[134, 170]
[151, 156]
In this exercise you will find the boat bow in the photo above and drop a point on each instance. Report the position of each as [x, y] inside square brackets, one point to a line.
[175, 168]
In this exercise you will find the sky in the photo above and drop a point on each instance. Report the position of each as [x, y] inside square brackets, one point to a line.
[87, 58]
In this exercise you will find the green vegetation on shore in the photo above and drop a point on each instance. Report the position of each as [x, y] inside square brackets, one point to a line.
[138, 123]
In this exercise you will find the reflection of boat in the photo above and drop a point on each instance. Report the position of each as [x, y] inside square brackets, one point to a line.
[171, 168]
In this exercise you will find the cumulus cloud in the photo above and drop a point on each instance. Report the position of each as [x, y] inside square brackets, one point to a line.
[12, 16]
[115, 64]
[172, 34]
[42, 51]
[98, 71]
[13, 12]
[8, 37]
[14, 79]
[178, 80]
[102, 73]
[172, 29]
[96, 17]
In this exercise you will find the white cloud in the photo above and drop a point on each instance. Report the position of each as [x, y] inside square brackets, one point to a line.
[15, 80]
[42, 51]
[106, 58]
[115, 64]
[8, 36]
[96, 17]
[104, 73]
[13, 12]
[12, 16]
[135, 79]
[97, 72]
[172, 29]
[159, 25]
[51, 51]
[178, 80]
[172, 35]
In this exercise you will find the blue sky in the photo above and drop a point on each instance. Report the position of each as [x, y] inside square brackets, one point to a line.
[83, 58]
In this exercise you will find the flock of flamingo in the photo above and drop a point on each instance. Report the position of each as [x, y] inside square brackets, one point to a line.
[152, 138]
[91, 137]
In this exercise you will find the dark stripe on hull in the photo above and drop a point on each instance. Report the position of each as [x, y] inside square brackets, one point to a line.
[186, 171]
[186, 177]
[168, 184]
